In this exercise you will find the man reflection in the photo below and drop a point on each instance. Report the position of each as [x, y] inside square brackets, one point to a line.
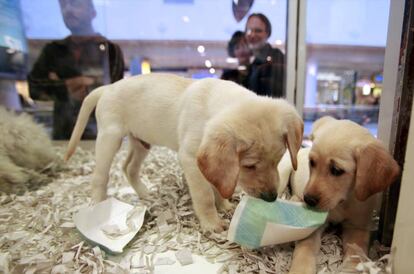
[267, 71]
[67, 70]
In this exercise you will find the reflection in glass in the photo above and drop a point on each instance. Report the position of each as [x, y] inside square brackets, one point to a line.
[345, 56]
[67, 70]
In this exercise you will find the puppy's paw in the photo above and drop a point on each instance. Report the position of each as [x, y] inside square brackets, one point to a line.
[301, 271]
[302, 267]
[225, 206]
[98, 196]
[349, 265]
[296, 198]
[142, 192]
[216, 226]
[349, 271]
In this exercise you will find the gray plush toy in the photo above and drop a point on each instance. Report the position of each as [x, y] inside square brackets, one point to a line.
[26, 153]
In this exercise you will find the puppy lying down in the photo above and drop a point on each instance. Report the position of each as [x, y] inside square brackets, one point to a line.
[25, 152]
[340, 174]
[224, 135]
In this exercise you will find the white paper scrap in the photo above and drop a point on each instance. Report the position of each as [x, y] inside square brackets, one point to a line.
[33, 259]
[68, 225]
[137, 261]
[59, 269]
[166, 229]
[4, 262]
[68, 257]
[200, 264]
[110, 223]
[17, 235]
[148, 249]
[164, 261]
[184, 256]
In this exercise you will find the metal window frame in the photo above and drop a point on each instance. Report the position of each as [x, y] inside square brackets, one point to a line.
[296, 53]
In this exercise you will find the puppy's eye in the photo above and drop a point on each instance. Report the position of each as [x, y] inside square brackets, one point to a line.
[250, 167]
[336, 171]
[312, 163]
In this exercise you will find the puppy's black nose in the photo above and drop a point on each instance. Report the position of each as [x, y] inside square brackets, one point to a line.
[268, 196]
[311, 200]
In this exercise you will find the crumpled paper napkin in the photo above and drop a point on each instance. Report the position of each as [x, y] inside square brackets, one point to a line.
[110, 223]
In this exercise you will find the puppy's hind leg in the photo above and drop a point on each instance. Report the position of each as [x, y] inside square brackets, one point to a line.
[132, 165]
[108, 143]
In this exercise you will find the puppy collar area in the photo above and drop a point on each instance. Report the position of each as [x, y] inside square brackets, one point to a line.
[257, 223]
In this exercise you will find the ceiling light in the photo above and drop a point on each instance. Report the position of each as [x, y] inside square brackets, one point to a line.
[185, 19]
[278, 42]
[201, 49]
[231, 60]
[208, 63]
[366, 89]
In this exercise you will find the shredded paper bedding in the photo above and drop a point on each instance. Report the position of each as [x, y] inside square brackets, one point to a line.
[38, 234]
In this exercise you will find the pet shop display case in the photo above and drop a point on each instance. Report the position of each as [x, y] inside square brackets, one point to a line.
[338, 65]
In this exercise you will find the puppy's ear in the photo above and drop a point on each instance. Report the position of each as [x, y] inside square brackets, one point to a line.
[317, 125]
[293, 140]
[376, 170]
[218, 160]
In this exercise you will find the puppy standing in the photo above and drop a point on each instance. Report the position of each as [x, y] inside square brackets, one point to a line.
[223, 133]
[347, 166]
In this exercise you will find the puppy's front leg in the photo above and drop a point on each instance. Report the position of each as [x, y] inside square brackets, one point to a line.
[202, 195]
[359, 237]
[223, 205]
[305, 253]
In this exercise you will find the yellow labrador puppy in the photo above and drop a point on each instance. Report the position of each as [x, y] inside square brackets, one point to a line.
[224, 134]
[340, 173]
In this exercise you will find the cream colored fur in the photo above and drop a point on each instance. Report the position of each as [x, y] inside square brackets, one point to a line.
[223, 133]
[365, 168]
[25, 151]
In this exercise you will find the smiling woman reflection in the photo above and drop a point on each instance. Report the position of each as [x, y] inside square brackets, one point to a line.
[267, 75]
[68, 69]
[238, 48]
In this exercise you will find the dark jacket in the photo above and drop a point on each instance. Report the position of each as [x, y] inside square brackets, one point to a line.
[240, 77]
[267, 72]
[94, 56]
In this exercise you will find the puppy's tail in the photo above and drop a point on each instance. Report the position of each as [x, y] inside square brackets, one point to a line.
[88, 105]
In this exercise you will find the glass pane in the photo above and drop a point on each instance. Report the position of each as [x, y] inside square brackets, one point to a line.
[345, 57]
[74, 46]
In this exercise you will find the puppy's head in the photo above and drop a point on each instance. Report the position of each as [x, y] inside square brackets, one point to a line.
[346, 159]
[244, 144]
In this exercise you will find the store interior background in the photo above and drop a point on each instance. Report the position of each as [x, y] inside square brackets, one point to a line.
[345, 44]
